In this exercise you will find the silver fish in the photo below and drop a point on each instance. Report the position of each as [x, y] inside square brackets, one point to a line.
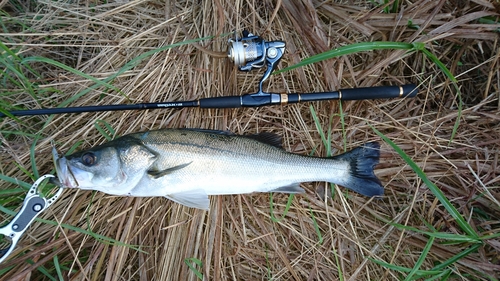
[187, 165]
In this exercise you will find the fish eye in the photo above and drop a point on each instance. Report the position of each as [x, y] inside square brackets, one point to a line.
[89, 159]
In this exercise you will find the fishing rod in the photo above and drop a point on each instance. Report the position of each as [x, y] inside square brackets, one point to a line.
[248, 52]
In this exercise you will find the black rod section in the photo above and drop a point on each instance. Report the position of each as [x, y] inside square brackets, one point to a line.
[384, 92]
[221, 102]
[368, 93]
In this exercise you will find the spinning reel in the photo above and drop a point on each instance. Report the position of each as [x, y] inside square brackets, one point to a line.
[252, 52]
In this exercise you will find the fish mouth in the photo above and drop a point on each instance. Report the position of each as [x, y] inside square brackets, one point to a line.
[64, 174]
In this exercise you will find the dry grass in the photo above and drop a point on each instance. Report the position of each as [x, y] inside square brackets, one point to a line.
[237, 239]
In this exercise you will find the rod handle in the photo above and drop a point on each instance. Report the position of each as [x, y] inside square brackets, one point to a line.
[221, 102]
[384, 92]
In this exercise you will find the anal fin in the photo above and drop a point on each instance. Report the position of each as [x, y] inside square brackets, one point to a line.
[196, 198]
[292, 188]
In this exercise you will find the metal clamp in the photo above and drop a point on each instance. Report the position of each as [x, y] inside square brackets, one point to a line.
[33, 205]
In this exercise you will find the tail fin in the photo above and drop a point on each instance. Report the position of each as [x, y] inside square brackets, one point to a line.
[362, 160]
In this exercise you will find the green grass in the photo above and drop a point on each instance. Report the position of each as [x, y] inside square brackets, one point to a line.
[316, 227]
[287, 207]
[194, 268]
[470, 239]
[462, 223]
[58, 268]
[108, 132]
[389, 6]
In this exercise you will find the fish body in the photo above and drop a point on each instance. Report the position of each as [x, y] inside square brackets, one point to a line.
[187, 165]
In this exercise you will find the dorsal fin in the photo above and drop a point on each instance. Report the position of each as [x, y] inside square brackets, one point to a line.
[264, 137]
[267, 138]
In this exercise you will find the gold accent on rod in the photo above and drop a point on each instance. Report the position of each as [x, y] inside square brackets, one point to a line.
[283, 98]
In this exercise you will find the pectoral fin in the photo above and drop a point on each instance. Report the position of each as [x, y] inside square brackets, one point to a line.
[159, 174]
[196, 198]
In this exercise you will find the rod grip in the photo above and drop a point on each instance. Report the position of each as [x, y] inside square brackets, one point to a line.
[221, 102]
[384, 92]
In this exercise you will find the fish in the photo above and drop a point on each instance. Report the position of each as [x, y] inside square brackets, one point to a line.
[188, 165]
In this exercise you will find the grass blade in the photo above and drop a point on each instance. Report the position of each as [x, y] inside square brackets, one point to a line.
[15, 181]
[107, 132]
[404, 269]
[97, 82]
[370, 46]
[199, 263]
[58, 268]
[287, 207]
[350, 49]
[45, 272]
[421, 259]
[457, 257]
[454, 81]
[443, 275]
[317, 122]
[456, 238]
[316, 227]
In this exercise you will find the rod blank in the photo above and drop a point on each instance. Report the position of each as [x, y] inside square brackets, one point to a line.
[248, 100]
